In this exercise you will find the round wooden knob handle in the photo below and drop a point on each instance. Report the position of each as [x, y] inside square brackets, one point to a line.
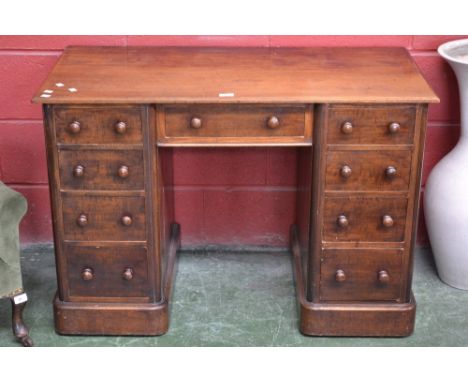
[383, 277]
[78, 171]
[390, 172]
[126, 220]
[394, 127]
[342, 221]
[74, 127]
[195, 123]
[273, 122]
[87, 274]
[345, 171]
[347, 127]
[82, 220]
[127, 274]
[340, 276]
[123, 171]
[120, 127]
[387, 221]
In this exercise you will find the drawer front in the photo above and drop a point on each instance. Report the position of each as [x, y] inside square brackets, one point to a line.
[360, 274]
[364, 219]
[368, 170]
[98, 125]
[107, 271]
[101, 170]
[234, 121]
[104, 218]
[371, 125]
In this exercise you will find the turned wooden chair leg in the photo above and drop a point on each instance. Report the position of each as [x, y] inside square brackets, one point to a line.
[20, 330]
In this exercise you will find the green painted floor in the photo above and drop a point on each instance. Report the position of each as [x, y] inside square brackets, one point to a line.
[240, 299]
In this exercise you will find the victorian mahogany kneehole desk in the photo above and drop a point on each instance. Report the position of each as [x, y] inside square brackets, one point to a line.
[356, 116]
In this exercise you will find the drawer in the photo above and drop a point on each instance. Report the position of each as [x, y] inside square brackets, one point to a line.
[371, 124]
[101, 170]
[225, 123]
[107, 271]
[360, 274]
[368, 170]
[98, 125]
[364, 219]
[104, 218]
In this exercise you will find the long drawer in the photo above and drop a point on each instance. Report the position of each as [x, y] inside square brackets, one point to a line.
[233, 123]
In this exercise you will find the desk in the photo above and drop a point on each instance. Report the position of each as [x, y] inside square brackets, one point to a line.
[112, 116]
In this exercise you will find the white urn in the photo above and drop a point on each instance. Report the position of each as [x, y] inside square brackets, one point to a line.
[446, 194]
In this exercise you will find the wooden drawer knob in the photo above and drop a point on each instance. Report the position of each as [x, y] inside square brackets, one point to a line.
[87, 274]
[78, 171]
[126, 220]
[383, 277]
[393, 128]
[342, 221]
[127, 274]
[345, 171]
[120, 127]
[74, 127]
[123, 171]
[390, 172]
[82, 220]
[347, 127]
[387, 221]
[195, 123]
[340, 276]
[273, 122]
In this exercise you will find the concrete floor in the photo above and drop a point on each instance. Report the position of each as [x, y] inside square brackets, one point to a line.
[240, 299]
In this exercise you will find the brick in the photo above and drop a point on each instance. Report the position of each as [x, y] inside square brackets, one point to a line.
[189, 214]
[36, 226]
[228, 41]
[219, 166]
[244, 217]
[341, 40]
[57, 42]
[432, 42]
[22, 152]
[20, 77]
[282, 167]
[442, 80]
[440, 139]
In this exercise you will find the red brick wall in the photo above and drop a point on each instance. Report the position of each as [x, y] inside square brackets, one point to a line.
[224, 196]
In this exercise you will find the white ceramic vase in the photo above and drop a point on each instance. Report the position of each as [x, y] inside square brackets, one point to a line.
[446, 194]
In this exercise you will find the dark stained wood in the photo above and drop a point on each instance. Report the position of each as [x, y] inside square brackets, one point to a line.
[360, 272]
[364, 217]
[108, 265]
[102, 170]
[371, 124]
[20, 330]
[349, 318]
[98, 124]
[368, 170]
[253, 75]
[359, 115]
[233, 124]
[103, 215]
